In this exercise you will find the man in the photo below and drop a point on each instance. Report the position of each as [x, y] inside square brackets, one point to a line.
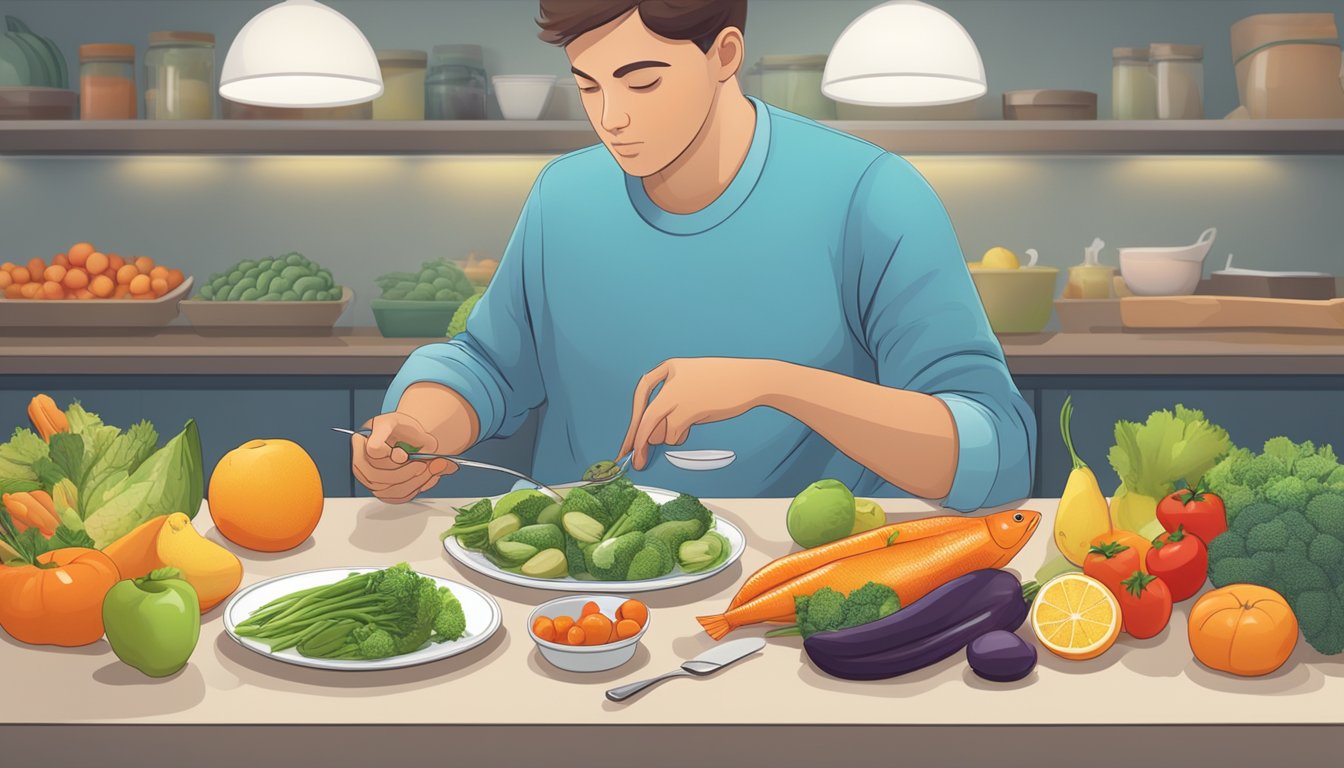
[761, 283]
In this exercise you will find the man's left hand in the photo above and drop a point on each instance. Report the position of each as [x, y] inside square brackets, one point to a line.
[694, 391]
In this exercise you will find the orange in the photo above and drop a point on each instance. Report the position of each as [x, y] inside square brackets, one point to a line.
[79, 253]
[21, 275]
[1075, 617]
[55, 273]
[76, 279]
[114, 262]
[36, 267]
[102, 286]
[61, 260]
[53, 290]
[14, 291]
[266, 495]
[1243, 629]
[158, 286]
[96, 264]
[144, 264]
[6, 279]
[126, 274]
[140, 284]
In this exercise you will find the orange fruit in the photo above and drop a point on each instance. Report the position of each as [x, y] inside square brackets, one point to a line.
[1243, 629]
[121, 292]
[126, 274]
[6, 279]
[633, 610]
[626, 628]
[96, 264]
[83, 293]
[1075, 617]
[79, 253]
[14, 291]
[55, 273]
[30, 290]
[158, 273]
[21, 275]
[158, 286]
[144, 264]
[53, 290]
[61, 259]
[140, 284]
[266, 495]
[75, 279]
[175, 278]
[115, 262]
[36, 267]
[102, 286]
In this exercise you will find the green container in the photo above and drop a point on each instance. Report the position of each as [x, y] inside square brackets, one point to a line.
[1017, 300]
[413, 319]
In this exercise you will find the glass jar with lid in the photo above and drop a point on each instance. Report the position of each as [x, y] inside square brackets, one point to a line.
[1133, 87]
[456, 85]
[180, 76]
[1180, 81]
[403, 85]
[107, 82]
[792, 83]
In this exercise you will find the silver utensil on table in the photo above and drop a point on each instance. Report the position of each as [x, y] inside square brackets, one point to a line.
[464, 462]
[707, 663]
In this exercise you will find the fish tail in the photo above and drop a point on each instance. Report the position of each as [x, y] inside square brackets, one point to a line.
[717, 627]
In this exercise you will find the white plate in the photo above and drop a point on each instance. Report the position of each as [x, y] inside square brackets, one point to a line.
[481, 610]
[677, 578]
[700, 461]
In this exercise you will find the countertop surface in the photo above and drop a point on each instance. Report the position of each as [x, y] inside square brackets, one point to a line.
[505, 681]
[362, 351]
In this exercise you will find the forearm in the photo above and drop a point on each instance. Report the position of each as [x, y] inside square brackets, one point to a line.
[907, 438]
[443, 413]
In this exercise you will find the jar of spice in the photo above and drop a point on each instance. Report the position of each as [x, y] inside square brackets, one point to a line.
[455, 87]
[107, 82]
[180, 76]
[1133, 87]
[1180, 81]
[403, 85]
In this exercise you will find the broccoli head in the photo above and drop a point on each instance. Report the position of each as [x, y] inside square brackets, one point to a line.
[375, 643]
[1237, 570]
[651, 562]
[579, 500]
[1287, 493]
[869, 603]
[1317, 466]
[686, 508]
[1236, 498]
[640, 515]
[1262, 469]
[1253, 515]
[1294, 575]
[1227, 544]
[1326, 513]
[616, 497]
[1312, 609]
[823, 612]
[451, 622]
[1326, 551]
[1269, 536]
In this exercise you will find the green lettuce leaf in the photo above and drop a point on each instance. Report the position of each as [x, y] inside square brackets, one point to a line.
[1151, 458]
[171, 480]
[89, 426]
[66, 537]
[48, 473]
[18, 456]
[119, 459]
[67, 452]
[18, 486]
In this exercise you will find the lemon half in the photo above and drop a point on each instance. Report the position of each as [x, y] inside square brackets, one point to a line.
[1075, 617]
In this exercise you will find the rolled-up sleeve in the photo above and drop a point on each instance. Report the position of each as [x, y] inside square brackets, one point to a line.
[493, 364]
[917, 309]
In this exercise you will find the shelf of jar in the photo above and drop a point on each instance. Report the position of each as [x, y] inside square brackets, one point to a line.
[365, 137]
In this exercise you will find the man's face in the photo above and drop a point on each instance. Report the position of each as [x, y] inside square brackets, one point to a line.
[647, 96]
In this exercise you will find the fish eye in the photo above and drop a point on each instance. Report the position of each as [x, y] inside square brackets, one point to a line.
[1018, 518]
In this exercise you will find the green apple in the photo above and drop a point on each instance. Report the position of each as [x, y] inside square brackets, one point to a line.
[153, 622]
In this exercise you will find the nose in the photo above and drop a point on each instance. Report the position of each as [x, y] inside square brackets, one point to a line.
[615, 118]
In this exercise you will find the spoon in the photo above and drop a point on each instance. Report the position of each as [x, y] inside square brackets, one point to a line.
[707, 663]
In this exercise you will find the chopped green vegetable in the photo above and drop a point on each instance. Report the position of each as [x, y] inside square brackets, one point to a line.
[827, 610]
[651, 562]
[676, 533]
[705, 553]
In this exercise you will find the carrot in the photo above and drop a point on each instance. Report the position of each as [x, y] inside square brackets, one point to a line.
[911, 567]
[562, 625]
[634, 611]
[575, 636]
[626, 628]
[589, 608]
[544, 628]
[791, 566]
[596, 629]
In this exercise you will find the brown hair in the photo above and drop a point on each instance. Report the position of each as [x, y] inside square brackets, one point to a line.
[699, 21]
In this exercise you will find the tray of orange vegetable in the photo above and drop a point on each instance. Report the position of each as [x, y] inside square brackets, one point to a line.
[85, 288]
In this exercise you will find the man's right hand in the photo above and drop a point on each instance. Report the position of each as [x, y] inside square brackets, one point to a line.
[385, 468]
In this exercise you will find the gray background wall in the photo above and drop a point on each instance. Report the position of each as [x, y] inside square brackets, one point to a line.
[365, 215]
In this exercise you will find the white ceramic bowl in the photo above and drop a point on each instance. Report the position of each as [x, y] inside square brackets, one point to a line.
[699, 461]
[1173, 271]
[585, 658]
[523, 97]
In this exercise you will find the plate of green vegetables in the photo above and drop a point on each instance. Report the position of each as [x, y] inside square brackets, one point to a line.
[360, 618]
[613, 538]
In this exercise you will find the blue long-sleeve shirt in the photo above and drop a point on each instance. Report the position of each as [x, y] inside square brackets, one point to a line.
[824, 251]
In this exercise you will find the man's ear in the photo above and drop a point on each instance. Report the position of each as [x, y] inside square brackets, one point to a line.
[728, 52]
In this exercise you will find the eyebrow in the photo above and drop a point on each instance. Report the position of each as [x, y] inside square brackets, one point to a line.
[622, 71]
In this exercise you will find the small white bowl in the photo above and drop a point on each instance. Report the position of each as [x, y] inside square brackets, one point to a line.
[700, 460]
[1166, 271]
[585, 658]
[523, 97]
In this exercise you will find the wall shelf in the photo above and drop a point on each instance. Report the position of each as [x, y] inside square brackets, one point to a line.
[223, 137]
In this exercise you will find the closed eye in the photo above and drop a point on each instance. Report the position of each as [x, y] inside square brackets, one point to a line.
[648, 87]
[588, 89]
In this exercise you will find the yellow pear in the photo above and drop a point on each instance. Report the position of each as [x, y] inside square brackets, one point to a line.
[212, 570]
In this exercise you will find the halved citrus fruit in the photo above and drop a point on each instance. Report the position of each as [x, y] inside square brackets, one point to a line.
[1075, 617]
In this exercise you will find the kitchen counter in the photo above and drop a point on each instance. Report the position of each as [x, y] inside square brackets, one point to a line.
[502, 702]
[362, 351]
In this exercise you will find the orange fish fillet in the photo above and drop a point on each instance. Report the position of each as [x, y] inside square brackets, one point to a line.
[793, 565]
[912, 568]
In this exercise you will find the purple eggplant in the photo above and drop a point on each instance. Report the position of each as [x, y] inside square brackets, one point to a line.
[937, 626]
[958, 600]
[1001, 656]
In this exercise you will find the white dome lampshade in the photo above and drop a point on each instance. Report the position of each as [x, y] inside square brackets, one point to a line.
[300, 53]
[904, 53]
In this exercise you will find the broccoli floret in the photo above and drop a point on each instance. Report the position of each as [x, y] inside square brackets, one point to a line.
[1326, 514]
[574, 558]
[1286, 451]
[459, 322]
[616, 497]
[640, 515]
[1326, 551]
[1266, 562]
[1251, 516]
[676, 533]
[610, 560]
[1237, 570]
[451, 621]
[1227, 544]
[1336, 478]
[1263, 469]
[686, 508]
[824, 612]
[1297, 526]
[377, 644]
[1312, 609]
[1286, 493]
[1227, 472]
[1236, 498]
[1294, 575]
[1318, 466]
[869, 603]
[398, 582]
[654, 560]
[579, 500]
[1271, 536]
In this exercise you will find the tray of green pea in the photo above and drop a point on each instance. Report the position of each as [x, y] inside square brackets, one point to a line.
[420, 304]
[282, 293]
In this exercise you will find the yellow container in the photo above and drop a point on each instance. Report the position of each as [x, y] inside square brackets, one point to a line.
[1017, 300]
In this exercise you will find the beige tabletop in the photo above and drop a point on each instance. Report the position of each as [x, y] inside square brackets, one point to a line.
[505, 681]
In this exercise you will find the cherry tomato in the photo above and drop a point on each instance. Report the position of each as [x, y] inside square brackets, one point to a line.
[1145, 604]
[1198, 511]
[1181, 560]
[1111, 562]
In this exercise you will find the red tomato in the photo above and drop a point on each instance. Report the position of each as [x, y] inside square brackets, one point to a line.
[1110, 563]
[1181, 561]
[1145, 605]
[1199, 511]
